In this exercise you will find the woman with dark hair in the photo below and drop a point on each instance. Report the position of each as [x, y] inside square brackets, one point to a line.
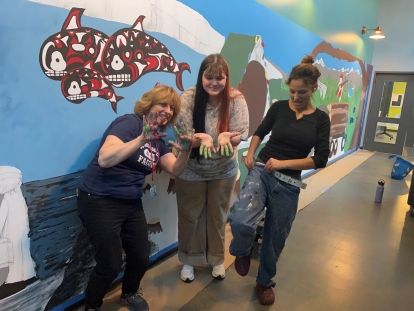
[109, 198]
[220, 118]
[274, 178]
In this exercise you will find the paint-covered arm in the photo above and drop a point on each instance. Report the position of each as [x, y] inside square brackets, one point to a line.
[114, 150]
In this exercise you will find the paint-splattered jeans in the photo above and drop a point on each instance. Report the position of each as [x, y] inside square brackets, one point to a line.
[262, 190]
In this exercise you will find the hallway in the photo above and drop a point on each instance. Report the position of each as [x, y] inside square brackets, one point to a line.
[344, 253]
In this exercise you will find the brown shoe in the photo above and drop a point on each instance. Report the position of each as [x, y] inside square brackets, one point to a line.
[265, 295]
[242, 265]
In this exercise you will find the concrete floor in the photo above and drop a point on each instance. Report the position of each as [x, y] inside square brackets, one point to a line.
[344, 253]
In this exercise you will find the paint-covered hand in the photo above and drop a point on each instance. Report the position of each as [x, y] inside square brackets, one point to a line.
[225, 146]
[184, 137]
[206, 144]
[153, 129]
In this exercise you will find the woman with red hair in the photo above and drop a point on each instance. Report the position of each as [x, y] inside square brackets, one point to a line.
[220, 118]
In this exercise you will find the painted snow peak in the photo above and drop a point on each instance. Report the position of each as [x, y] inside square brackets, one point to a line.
[90, 64]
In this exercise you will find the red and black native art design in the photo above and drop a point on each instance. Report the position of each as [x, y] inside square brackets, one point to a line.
[90, 64]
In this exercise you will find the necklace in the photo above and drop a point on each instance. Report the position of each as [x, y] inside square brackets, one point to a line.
[153, 152]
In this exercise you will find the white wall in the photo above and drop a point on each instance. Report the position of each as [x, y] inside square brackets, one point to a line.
[396, 51]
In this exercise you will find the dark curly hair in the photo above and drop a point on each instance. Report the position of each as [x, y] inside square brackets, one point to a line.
[305, 71]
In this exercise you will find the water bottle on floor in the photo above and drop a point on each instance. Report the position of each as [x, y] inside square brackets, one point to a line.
[380, 191]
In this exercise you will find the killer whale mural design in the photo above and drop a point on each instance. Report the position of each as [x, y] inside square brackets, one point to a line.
[90, 64]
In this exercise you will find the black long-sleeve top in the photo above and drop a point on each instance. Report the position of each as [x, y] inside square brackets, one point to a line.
[292, 138]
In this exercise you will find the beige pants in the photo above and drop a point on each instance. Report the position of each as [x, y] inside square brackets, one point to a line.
[202, 214]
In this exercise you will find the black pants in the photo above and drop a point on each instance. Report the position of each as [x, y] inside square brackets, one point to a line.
[410, 200]
[113, 225]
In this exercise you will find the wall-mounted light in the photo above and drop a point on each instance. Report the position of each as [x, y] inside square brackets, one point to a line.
[376, 33]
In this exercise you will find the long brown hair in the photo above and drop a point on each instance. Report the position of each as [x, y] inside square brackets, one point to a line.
[214, 65]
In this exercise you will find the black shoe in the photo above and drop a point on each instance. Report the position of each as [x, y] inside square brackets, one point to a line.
[135, 301]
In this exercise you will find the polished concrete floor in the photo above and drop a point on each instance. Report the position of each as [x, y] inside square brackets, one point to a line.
[344, 253]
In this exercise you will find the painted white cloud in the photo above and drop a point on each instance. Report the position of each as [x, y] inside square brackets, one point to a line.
[169, 17]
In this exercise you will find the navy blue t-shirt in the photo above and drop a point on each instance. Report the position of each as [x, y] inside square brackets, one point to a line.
[126, 179]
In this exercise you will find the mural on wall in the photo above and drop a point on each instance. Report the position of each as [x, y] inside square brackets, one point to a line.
[90, 64]
[343, 95]
[93, 66]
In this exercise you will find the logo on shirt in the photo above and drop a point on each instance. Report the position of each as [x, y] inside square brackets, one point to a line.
[149, 156]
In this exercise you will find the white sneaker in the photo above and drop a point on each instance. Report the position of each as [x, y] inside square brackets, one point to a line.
[219, 273]
[187, 273]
